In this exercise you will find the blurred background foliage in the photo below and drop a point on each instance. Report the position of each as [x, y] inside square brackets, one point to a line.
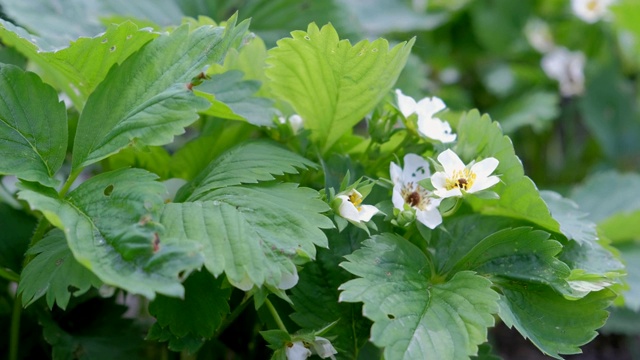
[575, 123]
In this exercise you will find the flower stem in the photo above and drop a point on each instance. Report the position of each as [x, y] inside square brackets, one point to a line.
[232, 317]
[9, 274]
[14, 337]
[453, 209]
[275, 315]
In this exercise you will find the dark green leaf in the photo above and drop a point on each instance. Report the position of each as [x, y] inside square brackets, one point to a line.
[415, 318]
[110, 222]
[191, 344]
[14, 239]
[54, 272]
[201, 311]
[33, 127]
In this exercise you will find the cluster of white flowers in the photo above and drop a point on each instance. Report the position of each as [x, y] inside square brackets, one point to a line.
[297, 350]
[455, 180]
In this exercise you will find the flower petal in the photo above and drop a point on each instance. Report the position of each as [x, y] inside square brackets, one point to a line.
[396, 173]
[439, 180]
[430, 106]
[430, 218]
[347, 210]
[396, 198]
[367, 212]
[483, 183]
[436, 129]
[450, 162]
[297, 351]
[416, 168]
[443, 193]
[484, 168]
[406, 103]
[323, 348]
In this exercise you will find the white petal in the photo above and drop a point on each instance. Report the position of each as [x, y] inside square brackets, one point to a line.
[485, 167]
[323, 347]
[367, 212]
[347, 210]
[439, 180]
[396, 173]
[430, 218]
[287, 281]
[430, 106]
[396, 198]
[436, 129]
[450, 161]
[416, 168]
[483, 183]
[297, 351]
[433, 203]
[296, 122]
[443, 193]
[406, 104]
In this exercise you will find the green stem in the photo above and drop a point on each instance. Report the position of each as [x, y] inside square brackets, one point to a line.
[38, 234]
[453, 209]
[275, 315]
[15, 328]
[9, 274]
[232, 317]
[72, 177]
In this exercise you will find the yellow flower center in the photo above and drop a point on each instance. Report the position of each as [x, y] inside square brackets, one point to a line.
[592, 5]
[356, 200]
[416, 197]
[461, 179]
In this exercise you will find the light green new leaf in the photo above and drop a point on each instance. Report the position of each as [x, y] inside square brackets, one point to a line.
[554, 324]
[110, 222]
[331, 83]
[480, 138]
[33, 127]
[630, 252]
[573, 222]
[247, 163]
[54, 272]
[233, 98]
[413, 317]
[145, 100]
[254, 234]
[80, 67]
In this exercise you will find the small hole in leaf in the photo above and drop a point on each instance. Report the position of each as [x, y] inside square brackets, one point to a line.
[104, 41]
[391, 317]
[108, 190]
[113, 48]
[128, 37]
[307, 38]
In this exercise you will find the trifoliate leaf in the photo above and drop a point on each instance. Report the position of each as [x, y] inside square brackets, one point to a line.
[315, 298]
[330, 83]
[146, 100]
[80, 67]
[414, 317]
[252, 233]
[480, 138]
[200, 312]
[33, 127]
[110, 222]
[554, 324]
[246, 163]
[234, 98]
[54, 272]
[573, 221]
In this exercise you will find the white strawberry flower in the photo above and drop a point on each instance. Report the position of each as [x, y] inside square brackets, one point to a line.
[407, 191]
[567, 67]
[352, 209]
[591, 10]
[295, 121]
[428, 125]
[458, 177]
[297, 351]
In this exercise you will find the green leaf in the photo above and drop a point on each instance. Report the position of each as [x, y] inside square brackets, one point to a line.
[573, 222]
[613, 202]
[247, 163]
[253, 233]
[110, 222]
[152, 158]
[413, 317]
[554, 324]
[191, 344]
[33, 127]
[315, 297]
[93, 330]
[199, 313]
[14, 239]
[480, 138]
[54, 272]
[630, 252]
[145, 100]
[79, 67]
[233, 98]
[331, 84]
